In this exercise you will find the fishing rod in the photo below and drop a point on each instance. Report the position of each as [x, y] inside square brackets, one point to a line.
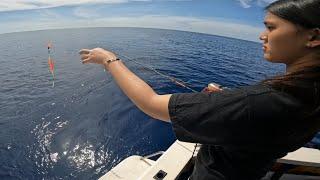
[172, 79]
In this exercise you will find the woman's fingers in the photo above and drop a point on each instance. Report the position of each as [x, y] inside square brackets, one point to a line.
[85, 61]
[214, 87]
[96, 55]
[84, 51]
[84, 56]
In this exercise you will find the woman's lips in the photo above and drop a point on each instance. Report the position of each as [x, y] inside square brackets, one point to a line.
[264, 48]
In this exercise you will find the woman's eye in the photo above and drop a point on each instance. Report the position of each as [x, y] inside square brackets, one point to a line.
[270, 27]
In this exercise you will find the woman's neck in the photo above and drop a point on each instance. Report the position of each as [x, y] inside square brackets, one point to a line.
[306, 61]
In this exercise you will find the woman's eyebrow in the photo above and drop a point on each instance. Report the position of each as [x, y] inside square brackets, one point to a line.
[268, 22]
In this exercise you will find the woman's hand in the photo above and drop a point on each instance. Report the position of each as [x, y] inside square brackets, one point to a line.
[96, 55]
[212, 87]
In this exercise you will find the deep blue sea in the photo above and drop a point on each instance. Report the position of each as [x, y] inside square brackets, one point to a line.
[85, 125]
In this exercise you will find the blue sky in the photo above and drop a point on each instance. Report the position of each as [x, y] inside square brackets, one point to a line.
[233, 18]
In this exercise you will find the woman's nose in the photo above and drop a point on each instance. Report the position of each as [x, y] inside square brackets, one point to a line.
[263, 37]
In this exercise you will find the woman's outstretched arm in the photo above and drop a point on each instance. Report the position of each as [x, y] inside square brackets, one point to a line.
[139, 92]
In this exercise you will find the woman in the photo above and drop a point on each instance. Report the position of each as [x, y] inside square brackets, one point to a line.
[243, 130]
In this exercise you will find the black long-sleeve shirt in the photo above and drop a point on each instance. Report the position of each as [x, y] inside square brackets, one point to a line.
[242, 131]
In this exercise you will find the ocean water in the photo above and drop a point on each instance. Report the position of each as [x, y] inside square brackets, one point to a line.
[85, 125]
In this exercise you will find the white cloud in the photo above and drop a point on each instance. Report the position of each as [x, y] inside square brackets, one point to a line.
[268, 1]
[245, 3]
[248, 3]
[83, 12]
[208, 26]
[9, 5]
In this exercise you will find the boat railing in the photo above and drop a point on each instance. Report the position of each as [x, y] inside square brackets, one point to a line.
[153, 154]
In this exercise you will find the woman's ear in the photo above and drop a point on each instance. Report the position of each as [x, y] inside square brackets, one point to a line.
[314, 38]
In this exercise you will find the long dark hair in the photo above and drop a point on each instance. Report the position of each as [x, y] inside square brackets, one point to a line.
[304, 83]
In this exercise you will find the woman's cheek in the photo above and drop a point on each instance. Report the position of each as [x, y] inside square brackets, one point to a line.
[273, 52]
[280, 48]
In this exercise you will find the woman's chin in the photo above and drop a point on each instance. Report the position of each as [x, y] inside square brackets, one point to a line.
[267, 56]
[270, 59]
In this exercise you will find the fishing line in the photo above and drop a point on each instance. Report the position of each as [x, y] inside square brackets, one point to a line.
[172, 79]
